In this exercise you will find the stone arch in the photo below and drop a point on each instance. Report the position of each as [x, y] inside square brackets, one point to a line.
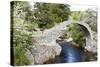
[87, 33]
[87, 30]
[50, 36]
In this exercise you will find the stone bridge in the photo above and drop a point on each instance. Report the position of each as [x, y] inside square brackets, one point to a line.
[46, 46]
[50, 36]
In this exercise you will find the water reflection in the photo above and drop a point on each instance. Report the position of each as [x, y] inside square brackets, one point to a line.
[70, 53]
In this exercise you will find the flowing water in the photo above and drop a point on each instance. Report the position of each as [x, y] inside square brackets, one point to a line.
[71, 53]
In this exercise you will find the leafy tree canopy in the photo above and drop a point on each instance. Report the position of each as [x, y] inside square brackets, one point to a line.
[47, 14]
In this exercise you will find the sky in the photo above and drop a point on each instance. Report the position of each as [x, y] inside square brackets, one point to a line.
[81, 7]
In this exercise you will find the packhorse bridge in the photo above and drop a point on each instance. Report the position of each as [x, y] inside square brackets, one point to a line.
[48, 48]
[49, 36]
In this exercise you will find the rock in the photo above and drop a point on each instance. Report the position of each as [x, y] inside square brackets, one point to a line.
[92, 44]
[89, 56]
[43, 53]
[68, 40]
[30, 56]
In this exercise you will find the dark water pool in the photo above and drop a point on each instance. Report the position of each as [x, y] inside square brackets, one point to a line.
[70, 53]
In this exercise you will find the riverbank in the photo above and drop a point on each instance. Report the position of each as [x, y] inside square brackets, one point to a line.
[84, 54]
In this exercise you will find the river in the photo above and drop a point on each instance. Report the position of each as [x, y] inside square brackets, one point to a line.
[71, 53]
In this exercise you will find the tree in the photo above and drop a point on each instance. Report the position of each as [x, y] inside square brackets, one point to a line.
[77, 34]
[21, 27]
[47, 14]
[89, 16]
[24, 21]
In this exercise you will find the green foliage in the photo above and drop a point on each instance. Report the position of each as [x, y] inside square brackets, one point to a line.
[24, 21]
[20, 57]
[89, 16]
[22, 31]
[92, 19]
[47, 14]
[77, 34]
[75, 15]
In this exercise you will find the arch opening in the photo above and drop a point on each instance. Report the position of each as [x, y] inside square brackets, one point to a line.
[86, 32]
